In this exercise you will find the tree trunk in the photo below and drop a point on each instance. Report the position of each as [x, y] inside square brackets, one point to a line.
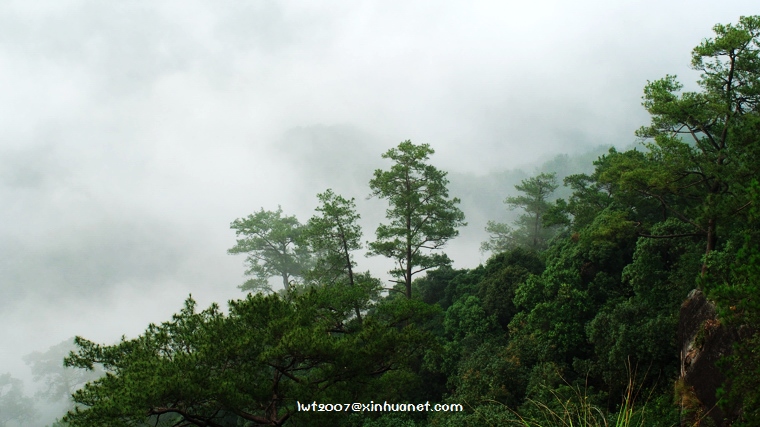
[347, 256]
[711, 242]
[408, 275]
[408, 278]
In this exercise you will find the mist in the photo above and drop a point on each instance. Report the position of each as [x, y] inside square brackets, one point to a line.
[132, 134]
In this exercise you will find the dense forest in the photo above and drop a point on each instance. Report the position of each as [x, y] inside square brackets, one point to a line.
[581, 315]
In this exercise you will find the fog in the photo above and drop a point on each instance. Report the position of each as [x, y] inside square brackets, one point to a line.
[132, 134]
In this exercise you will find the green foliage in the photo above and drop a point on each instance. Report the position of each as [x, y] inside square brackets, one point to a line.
[332, 235]
[704, 147]
[501, 237]
[553, 329]
[274, 248]
[489, 372]
[737, 298]
[631, 330]
[545, 333]
[556, 403]
[393, 419]
[707, 147]
[443, 285]
[504, 272]
[480, 366]
[492, 414]
[588, 199]
[467, 317]
[581, 274]
[252, 364]
[422, 216]
[663, 270]
[531, 230]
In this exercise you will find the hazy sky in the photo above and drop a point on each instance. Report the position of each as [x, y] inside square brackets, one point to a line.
[133, 133]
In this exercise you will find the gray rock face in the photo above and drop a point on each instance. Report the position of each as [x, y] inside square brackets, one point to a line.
[704, 341]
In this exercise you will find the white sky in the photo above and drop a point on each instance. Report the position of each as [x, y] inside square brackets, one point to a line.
[133, 133]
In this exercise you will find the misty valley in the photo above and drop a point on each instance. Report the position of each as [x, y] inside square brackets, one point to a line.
[621, 292]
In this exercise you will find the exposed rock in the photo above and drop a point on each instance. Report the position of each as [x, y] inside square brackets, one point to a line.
[704, 341]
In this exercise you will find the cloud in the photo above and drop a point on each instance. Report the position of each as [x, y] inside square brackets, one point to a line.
[132, 134]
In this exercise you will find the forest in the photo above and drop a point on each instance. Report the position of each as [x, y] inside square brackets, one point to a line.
[632, 301]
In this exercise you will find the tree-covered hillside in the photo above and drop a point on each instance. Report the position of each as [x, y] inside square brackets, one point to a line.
[577, 317]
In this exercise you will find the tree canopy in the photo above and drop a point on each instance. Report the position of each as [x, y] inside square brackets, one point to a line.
[333, 235]
[574, 319]
[421, 214]
[206, 368]
[274, 248]
[703, 148]
[531, 231]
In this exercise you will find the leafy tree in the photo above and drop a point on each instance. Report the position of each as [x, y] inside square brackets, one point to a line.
[422, 216]
[639, 227]
[489, 373]
[332, 236]
[703, 160]
[273, 245]
[467, 317]
[583, 272]
[15, 407]
[531, 231]
[589, 197]
[640, 326]
[476, 359]
[251, 365]
[504, 272]
[704, 145]
[435, 286]
[501, 237]
[737, 297]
